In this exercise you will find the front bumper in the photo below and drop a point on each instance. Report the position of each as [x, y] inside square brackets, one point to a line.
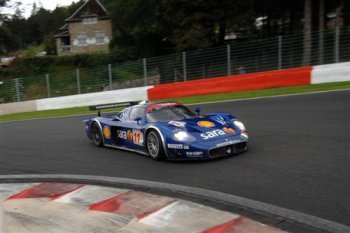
[209, 149]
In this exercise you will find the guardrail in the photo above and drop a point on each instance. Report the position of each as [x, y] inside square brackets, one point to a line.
[276, 53]
[338, 72]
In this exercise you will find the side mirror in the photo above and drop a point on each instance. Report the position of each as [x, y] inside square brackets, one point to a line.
[198, 110]
[138, 120]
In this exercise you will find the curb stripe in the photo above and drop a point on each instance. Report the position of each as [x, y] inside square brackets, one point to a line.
[148, 213]
[266, 211]
[224, 228]
[244, 225]
[133, 203]
[47, 190]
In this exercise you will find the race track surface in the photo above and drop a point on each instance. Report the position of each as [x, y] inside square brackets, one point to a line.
[298, 157]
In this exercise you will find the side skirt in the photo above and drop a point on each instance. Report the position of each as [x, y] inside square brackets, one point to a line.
[126, 149]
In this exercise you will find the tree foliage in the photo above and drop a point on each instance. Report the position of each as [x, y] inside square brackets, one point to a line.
[144, 28]
[36, 29]
[137, 26]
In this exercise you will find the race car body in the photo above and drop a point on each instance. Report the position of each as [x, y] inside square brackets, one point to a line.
[169, 130]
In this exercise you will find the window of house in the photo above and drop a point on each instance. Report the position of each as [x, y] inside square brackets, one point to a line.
[100, 38]
[82, 39]
[90, 20]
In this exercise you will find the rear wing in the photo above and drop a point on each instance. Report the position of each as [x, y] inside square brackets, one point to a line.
[114, 105]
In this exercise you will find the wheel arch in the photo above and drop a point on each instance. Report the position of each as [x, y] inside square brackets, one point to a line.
[148, 129]
[99, 126]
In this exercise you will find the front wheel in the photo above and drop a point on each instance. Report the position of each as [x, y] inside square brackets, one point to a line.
[96, 135]
[154, 145]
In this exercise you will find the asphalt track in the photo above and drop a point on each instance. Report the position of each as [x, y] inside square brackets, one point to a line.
[298, 157]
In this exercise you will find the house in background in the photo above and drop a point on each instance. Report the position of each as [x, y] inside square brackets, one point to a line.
[88, 30]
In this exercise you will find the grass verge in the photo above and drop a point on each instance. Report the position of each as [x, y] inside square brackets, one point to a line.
[189, 100]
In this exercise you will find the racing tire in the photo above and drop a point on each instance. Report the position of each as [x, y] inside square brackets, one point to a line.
[96, 135]
[154, 145]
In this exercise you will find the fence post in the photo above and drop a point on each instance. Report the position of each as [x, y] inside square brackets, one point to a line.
[279, 52]
[78, 80]
[336, 46]
[145, 71]
[184, 65]
[47, 77]
[228, 59]
[175, 76]
[110, 76]
[18, 94]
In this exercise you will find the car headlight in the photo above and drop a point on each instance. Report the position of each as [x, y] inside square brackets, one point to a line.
[183, 136]
[240, 125]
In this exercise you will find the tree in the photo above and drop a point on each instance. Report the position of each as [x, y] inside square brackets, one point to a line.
[307, 32]
[2, 4]
[34, 9]
[49, 44]
[346, 12]
[7, 41]
[201, 24]
[281, 17]
[321, 18]
[137, 27]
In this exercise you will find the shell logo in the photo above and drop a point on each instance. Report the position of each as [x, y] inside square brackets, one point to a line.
[229, 130]
[206, 124]
[107, 132]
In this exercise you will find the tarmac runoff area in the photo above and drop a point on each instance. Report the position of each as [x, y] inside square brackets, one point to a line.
[66, 203]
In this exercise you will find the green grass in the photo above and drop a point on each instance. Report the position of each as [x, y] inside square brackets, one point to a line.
[45, 114]
[188, 100]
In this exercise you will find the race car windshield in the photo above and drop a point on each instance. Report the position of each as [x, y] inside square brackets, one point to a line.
[167, 113]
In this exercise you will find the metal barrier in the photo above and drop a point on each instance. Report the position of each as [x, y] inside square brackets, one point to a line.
[235, 58]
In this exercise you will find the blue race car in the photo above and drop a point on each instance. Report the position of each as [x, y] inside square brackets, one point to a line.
[168, 130]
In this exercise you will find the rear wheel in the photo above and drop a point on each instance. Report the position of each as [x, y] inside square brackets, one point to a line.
[154, 145]
[96, 135]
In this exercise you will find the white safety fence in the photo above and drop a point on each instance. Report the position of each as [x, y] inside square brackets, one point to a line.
[130, 94]
[338, 72]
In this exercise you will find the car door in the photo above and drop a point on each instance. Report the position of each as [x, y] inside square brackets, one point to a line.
[127, 131]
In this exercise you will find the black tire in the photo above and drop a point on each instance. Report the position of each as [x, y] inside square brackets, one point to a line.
[154, 145]
[96, 135]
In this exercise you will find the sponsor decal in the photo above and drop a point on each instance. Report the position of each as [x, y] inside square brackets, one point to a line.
[228, 143]
[135, 136]
[212, 134]
[194, 153]
[229, 130]
[121, 134]
[177, 123]
[178, 146]
[206, 124]
[221, 120]
[107, 132]
[175, 146]
[129, 136]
